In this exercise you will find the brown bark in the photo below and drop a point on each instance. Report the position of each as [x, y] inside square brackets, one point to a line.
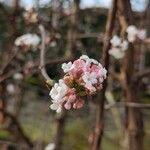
[2, 102]
[72, 33]
[134, 122]
[98, 132]
[60, 124]
[14, 127]
[9, 53]
[70, 53]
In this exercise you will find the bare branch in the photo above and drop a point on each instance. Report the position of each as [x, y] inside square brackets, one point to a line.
[42, 57]
[105, 58]
[16, 129]
[127, 104]
[142, 74]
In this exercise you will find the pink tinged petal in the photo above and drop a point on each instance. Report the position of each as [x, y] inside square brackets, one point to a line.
[72, 98]
[78, 64]
[101, 80]
[142, 34]
[78, 104]
[67, 105]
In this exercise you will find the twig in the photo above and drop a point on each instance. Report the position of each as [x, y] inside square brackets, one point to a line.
[98, 133]
[42, 58]
[11, 57]
[142, 74]
[35, 66]
[128, 104]
[15, 127]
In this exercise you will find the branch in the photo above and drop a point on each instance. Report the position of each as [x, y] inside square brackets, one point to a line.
[105, 58]
[42, 58]
[11, 55]
[127, 104]
[35, 66]
[114, 74]
[142, 74]
[15, 128]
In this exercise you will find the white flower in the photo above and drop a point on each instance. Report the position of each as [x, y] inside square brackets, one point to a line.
[57, 94]
[142, 34]
[116, 53]
[59, 90]
[103, 73]
[50, 146]
[124, 45]
[53, 44]
[90, 77]
[67, 67]
[88, 60]
[118, 47]
[115, 41]
[85, 57]
[132, 32]
[93, 61]
[56, 106]
[28, 40]
[10, 88]
[18, 76]
[132, 29]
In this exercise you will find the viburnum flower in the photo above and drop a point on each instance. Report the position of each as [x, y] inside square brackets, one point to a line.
[10, 88]
[115, 41]
[119, 46]
[134, 33]
[50, 146]
[116, 53]
[82, 77]
[28, 40]
[18, 76]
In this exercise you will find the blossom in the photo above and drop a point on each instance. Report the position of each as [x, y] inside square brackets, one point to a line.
[116, 53]
[67, 67]
[78, 66]
[141, 34]
[56, 106]
[10, 88]
[135, 33]
[83, 76]
[90, 79]
[124, 45]
[115, 41]
[88, 60]
[132, 32]
[50, 146]
[59, 90]
[18, 76]
[119, 46]
[28, 40]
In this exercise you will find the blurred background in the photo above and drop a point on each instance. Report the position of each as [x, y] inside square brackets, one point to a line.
[73, 28]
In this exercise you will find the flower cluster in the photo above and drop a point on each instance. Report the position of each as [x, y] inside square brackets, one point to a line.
[134, 33]
[28, 40]
[82, 77]
[118, 48]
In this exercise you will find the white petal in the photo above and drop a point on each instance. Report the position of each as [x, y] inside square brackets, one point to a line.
[115, 41]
